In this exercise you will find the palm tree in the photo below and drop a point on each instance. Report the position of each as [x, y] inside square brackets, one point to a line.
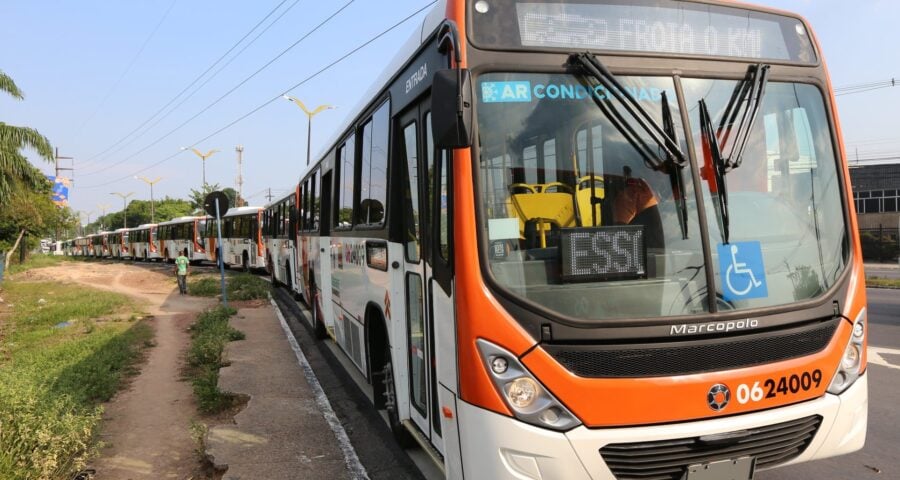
[14, 167]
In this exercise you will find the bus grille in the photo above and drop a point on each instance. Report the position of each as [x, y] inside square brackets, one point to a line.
[668, 459]
[683, 358]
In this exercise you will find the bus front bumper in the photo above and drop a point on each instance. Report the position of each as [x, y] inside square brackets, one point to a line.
[498, 447]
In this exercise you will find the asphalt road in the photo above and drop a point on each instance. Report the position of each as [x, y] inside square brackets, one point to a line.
[883, 270]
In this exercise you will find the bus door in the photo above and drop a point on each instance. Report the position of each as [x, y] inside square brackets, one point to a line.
[322, 265]
[418, 282]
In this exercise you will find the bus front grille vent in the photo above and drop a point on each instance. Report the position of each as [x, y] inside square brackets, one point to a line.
[771, 445]
[688, 357]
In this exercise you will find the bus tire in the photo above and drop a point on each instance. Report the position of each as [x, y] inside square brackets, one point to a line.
[401, 435]
[245, 262]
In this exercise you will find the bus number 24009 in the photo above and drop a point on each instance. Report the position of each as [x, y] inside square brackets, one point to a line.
[772, 388]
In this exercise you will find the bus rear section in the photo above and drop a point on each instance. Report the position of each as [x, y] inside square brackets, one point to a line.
[144, 242]
[183, 236]
[243, 244]
[279, 231]
[120, 244]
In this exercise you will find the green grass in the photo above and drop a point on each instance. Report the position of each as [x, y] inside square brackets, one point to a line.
[240, 286]
[36, 261]
[882, 282]
[52, 378]
[209, 334]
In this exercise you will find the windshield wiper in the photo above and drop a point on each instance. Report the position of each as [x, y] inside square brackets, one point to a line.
[742, 110]
[713, 157]
[667, 157]
[674, 169]
[660, 137]
[749, 94]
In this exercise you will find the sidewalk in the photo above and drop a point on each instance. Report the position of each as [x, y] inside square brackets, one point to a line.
[281, 433]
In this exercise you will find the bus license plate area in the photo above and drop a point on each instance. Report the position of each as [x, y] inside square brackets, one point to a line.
[731, 469]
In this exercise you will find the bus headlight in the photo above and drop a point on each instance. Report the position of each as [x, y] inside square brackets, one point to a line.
[524, 394]
[849, 368]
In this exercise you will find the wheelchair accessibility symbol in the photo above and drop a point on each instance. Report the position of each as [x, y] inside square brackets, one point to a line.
[742, 272]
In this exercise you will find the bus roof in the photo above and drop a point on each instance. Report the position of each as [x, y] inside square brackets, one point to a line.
[233, 212]
[432, 20]
[180, 220]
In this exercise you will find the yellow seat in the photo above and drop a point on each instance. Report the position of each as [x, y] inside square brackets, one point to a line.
[583, 197]
[548, 208]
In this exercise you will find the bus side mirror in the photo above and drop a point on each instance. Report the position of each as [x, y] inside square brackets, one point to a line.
[451, 106]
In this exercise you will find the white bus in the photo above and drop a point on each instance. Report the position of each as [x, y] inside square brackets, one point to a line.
[183, 236]
[279, 231]
[99, 245]
[118, 244]
[242, 237]
[144, 242]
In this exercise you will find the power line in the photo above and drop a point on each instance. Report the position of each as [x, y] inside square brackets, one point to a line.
[865, 87]
[276, 97]
[208, 79]
[229, 92]
[128, 68]
[197, 79]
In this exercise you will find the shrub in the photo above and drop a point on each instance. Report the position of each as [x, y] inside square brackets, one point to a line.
[209, 334]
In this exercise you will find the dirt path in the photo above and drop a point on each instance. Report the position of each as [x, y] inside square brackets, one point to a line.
[147, 426]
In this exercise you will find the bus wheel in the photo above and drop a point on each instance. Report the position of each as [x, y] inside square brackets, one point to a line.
[401, 435]
[245, 262]
[319, 330]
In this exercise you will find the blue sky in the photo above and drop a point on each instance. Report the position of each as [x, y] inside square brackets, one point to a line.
[87, 86]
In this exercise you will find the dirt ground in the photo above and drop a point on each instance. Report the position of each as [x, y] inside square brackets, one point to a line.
[146, 427]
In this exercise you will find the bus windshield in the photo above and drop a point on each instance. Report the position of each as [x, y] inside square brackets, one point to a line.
[578, 222]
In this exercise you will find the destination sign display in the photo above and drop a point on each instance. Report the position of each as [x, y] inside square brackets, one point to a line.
[602, 253]
[649, 26]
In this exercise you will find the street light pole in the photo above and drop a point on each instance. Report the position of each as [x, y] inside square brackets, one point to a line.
[103, 208]
[124, 197]
[88, 214]
[151, 183]
[203, 157]
[309, 115]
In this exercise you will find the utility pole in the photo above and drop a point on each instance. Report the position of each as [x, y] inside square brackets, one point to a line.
[58, 158]
[240, 178]
[58, 168]
[269, 195]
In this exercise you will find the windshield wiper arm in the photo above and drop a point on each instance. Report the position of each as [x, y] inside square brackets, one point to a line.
[608, 81]
[749, 91]
[713, 157]
[674, 169]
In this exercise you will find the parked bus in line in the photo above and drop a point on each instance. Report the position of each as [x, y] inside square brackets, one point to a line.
[243, 245]
[82, 246]
[588, 239]
[99, 245]
[144, 243]
[119, 244]
[183, 236]
[279, 231]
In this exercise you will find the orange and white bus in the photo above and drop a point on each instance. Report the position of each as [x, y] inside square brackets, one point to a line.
[243, 244]
[279, 231]
[183, 236]
[119, 244]
[99, 245]
[597, 239]
[144, 242]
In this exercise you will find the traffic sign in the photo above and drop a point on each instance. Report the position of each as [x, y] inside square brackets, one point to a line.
[209, 203]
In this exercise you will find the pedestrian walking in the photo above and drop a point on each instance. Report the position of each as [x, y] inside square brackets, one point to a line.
[182, 264]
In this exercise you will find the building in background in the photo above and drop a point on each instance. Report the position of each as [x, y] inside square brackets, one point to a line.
[876, 192]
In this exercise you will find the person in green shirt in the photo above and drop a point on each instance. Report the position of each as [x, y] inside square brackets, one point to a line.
[181, 271]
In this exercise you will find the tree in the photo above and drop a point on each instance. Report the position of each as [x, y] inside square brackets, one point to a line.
[198, 196]
[139, 213]
[13, 164]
